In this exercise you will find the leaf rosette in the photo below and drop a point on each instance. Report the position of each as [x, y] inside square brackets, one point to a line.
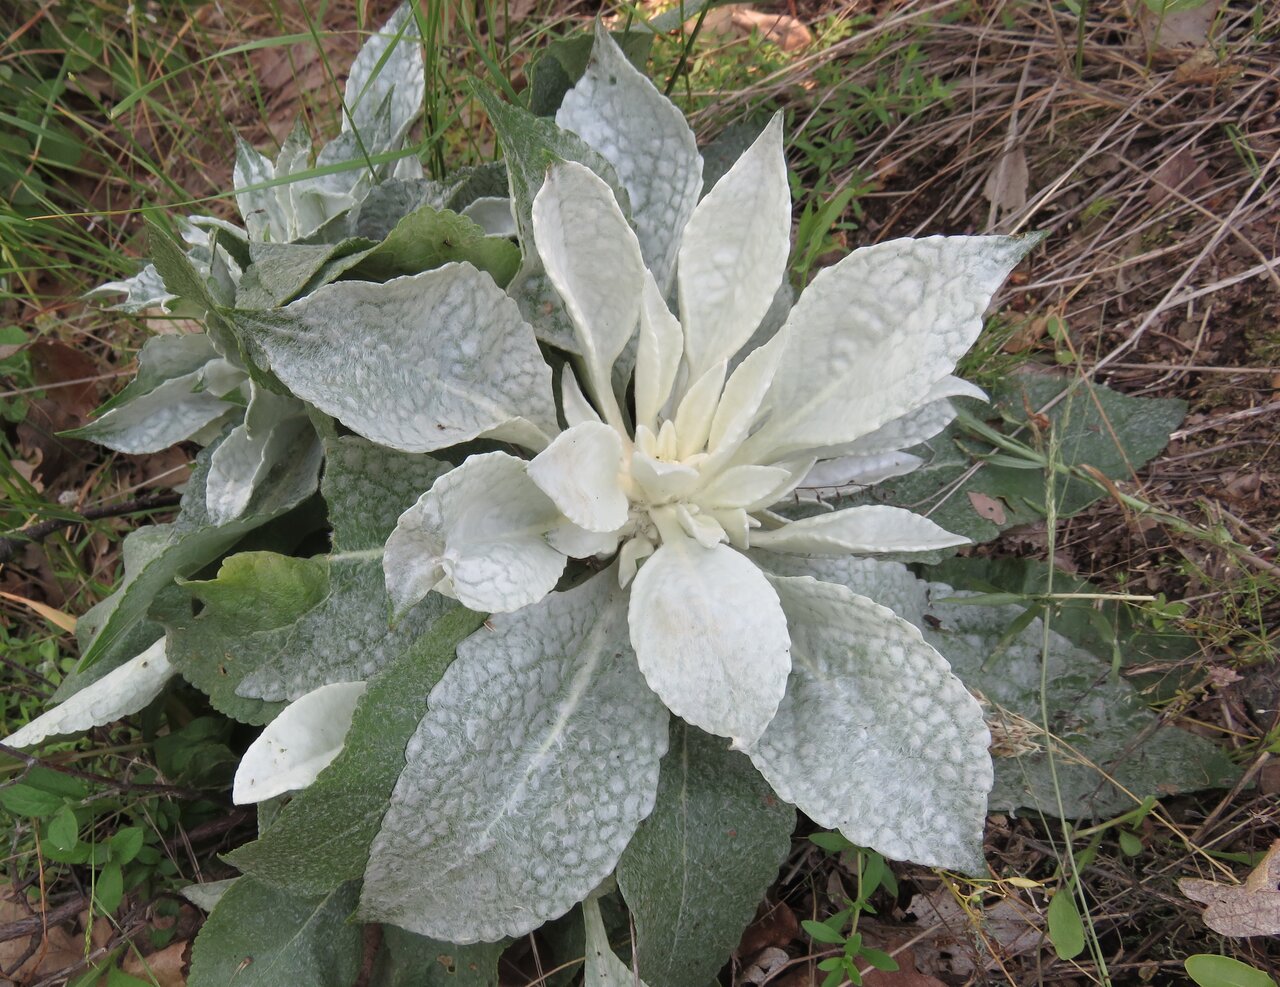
[658, 460]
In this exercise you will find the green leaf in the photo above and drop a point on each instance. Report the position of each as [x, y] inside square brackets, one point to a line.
[1165, 7]
[1103, 728]
[125, 844]
[48, 780]
[264, 611]
[1084, 421]
[1066, 928]
[563, 61]
[1130, 843]
[255, 600]
[261, 937]
[428, 238]
[64, 831]
[1104, 627]
[108, 889]
[526, 779]
[186, 282]
[821, 932]
[280, 272]
[409, 960]
[321, 837]
[118, 978]
[1209, 970]
[831, 842]
[23, 800]
[878, 959]
[169, 551]
[699, 865]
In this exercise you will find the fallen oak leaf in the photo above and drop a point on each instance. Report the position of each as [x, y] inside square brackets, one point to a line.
[987, 507]
[1249, 909]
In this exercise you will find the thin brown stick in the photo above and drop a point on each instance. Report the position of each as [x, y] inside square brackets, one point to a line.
[38, 532]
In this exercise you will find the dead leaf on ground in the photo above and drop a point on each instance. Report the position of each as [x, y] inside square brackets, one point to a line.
[741, 20]
[63, 621]
[905, 976]
[70, 374]
[987, 507]
[1269, 778]
[54, 363]
[1183, 173]
[763, 966]
[1011, 927]
[1177, 28]
[1027, 335]
[1007, 182]
[1249, 909]
[59, 951]
[777, 927]
[165, 967]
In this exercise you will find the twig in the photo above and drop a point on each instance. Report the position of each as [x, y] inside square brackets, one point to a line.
[1262, 409]
[37, 923]
[31, 761]
[38, 532]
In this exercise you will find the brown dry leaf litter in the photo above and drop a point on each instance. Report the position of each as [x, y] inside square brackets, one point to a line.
[1249, 909]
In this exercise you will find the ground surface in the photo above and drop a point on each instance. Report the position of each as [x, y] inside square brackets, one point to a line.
[1147, 147]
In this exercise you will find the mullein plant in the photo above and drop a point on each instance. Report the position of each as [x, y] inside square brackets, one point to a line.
[555, 472]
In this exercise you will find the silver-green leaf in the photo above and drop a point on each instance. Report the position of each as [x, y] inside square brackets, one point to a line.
[535, 762]
[697, 868]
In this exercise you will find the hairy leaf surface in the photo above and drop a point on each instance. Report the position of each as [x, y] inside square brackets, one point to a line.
[302, 942]
[698, 866]
[537, 758]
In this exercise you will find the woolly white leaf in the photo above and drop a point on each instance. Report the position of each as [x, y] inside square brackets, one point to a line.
[477, 534]
[739, 486]
[207, 894]
[120, 692]
[890, 584]
[259, 206]
[660, 480]
[657, 355]
[858, 471]
[171, 412]
[734, 253]
[535, 762]
[418, 363]
[142, 291]
[578, 543]
[577, 409]
[273, 425]
[298, 744]
[710, 637]
[876, 737]
[863, 530]
[620, 113]
[388, 69]
[593, 259]
[871, 335]
[601, 967]
[579, 472]
[695, 411]
[492, 214]
[744, 393]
